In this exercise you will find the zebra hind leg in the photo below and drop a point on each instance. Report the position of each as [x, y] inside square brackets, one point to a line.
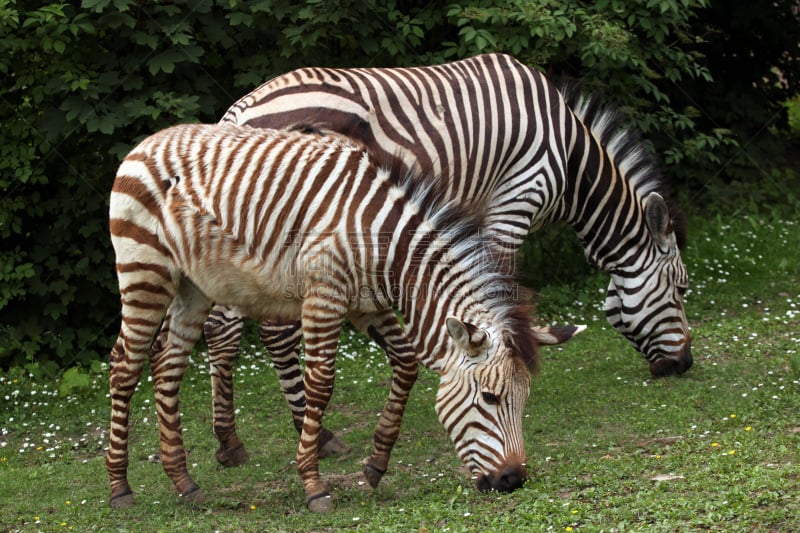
[384, 329]
[223, 332]
[282, 341]
[145, 298]
[127, 359]
[183, 326]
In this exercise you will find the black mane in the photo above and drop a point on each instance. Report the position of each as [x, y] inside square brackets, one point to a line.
[631, 154]
[520, 335]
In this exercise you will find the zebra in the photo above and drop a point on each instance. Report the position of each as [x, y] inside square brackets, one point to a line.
[297, 226]
[505, 138]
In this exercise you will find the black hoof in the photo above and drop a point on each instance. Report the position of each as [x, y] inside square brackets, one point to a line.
[193, 496]
[122, 501]
[320, 503]
[372, 474]
[233, 457]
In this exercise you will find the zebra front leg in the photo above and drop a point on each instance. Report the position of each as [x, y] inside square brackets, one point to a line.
[384, 329]
[223, 331]
[282, 340]
[323, 314]
[183, 327]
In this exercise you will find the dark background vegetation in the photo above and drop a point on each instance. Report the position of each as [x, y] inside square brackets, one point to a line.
[712, 84]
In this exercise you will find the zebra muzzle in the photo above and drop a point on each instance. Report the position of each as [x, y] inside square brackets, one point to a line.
[508, 479]
[670, 366]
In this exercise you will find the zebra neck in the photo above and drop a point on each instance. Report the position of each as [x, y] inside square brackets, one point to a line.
[449, 279]
[427, 333]
[603, 206]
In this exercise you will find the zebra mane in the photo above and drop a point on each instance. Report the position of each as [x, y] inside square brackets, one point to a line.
[490, 269]
[519, 335]
[624, 145]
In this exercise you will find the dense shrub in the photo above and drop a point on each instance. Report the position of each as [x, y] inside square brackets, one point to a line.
[752, 50]
[83, 83]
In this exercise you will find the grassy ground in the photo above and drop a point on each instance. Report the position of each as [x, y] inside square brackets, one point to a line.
[609, 449]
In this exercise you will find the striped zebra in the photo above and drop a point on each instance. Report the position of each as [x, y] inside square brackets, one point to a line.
[506, 139]
[301, 227]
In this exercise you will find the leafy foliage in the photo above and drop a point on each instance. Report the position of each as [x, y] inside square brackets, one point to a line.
[752, 50]
[85, 81]
[793, 115]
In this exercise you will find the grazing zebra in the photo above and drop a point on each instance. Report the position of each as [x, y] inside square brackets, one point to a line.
[507, 140]
[295, 226]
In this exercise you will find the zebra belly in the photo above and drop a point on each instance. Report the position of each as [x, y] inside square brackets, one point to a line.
[260, 297]
[265, 297]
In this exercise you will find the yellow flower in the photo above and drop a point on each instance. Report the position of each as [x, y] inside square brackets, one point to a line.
[733, 415]
[568, 528]
[69, 502]
[714, 444]
[252, 507]
[748, 428]
[574, 511]
[731, 452]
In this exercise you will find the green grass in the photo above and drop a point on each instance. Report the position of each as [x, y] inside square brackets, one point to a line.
[609, 449]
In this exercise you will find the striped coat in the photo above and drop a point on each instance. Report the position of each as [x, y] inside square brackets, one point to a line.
[509, 142]
[299, 226]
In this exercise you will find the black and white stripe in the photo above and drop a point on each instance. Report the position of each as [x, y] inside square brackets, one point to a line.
[503, 138]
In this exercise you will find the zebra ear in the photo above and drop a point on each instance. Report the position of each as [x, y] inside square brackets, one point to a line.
[554, 335]
[656, 215]
[469, 338]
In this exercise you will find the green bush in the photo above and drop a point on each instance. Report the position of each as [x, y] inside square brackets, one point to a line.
[793, 115]
[752, 50]
[84, 82]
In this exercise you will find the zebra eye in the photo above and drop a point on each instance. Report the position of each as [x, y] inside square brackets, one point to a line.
[490, 398]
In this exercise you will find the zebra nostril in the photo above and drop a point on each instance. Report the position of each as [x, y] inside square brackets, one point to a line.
[483, 483]
[663, 366]
[666, 366]
[510, 479]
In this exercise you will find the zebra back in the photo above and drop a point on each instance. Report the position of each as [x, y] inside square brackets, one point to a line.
[507, 140]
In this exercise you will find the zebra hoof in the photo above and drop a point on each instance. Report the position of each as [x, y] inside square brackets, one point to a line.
[193, 496]
[331, 445]
[232, 457]
[122, 501]
[372, 474]
[320, 503]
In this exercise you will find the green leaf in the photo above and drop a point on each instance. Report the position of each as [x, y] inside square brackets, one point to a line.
[165, 61]
[240, 19]
[95, 5]
[74, 380]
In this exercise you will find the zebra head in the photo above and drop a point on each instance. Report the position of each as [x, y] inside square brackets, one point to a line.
[480, 402]
[645, 302]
